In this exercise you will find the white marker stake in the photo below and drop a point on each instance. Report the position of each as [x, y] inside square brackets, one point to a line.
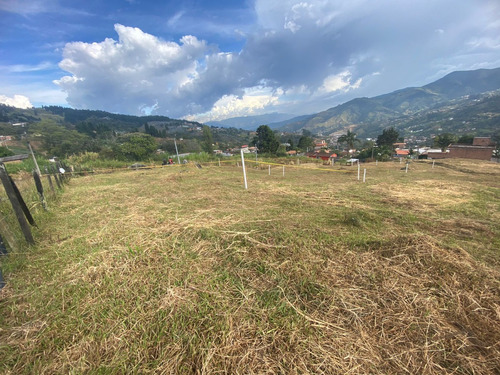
[364, 174]
[400, 160]
[298, 161]
[219, 162]
[358, 170]
[244, 171]
[283, 171]
[333, 162]
[376, 162]
[269, 170]
[433, 163]
[406, 168]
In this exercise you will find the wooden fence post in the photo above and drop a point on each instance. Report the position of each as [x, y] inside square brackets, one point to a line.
[39, 188]
[16, 205]
[3, 249]
[7, 235]
[50, 180]
[56, 177]
[21, 201]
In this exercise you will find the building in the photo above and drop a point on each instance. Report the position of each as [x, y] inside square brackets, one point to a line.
[481, 149]
[321, 144]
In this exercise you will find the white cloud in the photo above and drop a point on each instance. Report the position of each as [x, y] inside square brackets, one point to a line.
[256, 100]
[22, 68]
[123, 75]
[300, 51]
[338, 82]
[18, 101]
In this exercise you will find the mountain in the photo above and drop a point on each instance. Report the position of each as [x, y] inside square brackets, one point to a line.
[369, 115]
[251, 122]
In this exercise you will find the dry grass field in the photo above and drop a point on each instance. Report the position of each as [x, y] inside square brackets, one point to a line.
[179, 270]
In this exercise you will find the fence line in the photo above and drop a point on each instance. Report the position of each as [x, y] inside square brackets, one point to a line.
[22, 211]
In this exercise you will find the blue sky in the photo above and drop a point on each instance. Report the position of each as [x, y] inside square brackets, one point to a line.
[209, 60]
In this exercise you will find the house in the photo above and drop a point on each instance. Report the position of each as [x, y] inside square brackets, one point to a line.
[291, 153]
[437, 154]
[322, 154]
[402, 153]
[399, 145]
[321, 144]
[481, 149]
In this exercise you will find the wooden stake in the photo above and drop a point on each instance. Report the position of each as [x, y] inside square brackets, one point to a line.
[7, 234]
[16, 205]
[56, 177]
[50, 180]
[34, 159]
[364, 174]
[39, 188]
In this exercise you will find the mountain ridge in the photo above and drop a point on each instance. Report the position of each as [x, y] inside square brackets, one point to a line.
[370, 113]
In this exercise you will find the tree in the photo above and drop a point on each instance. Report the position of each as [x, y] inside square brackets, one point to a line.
[207, 140]
[265, 140]
[466, 139]
[444, 140]
[349, 139]
[305, 142]
[388, 137]
[136, 146]
[59, 141]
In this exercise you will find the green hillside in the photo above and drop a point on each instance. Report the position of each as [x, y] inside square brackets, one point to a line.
[403, 107]
[62, 131]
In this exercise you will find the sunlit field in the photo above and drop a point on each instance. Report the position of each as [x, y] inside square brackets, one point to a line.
[180, 270]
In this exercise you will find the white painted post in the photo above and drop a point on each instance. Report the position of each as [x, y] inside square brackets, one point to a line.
[333, 162]
[376, 162]
[283, 171]
[406, 168]
[219, 162]
[400, 160]
[433, 163]
[364, 174]
[269, 170]
[358, 170]
[177, 151]
[244, 171]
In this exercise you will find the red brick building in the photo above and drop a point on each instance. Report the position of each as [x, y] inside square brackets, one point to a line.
[481, 149]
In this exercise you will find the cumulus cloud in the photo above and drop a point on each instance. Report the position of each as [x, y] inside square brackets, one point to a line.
[298, 49]
[255, 100]
[134, 72]
[18, 101]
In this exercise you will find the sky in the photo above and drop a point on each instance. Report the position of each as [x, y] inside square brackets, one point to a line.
[210, 60]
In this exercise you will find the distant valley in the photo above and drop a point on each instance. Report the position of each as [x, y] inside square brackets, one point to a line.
[460, 102]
